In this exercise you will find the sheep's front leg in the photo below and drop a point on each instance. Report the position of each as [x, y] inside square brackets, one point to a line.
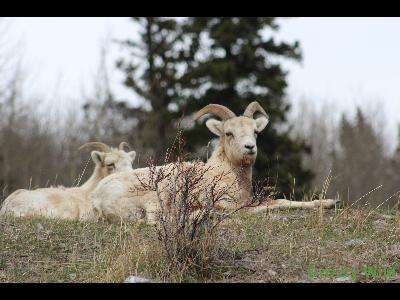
[152, 209]
[326, 203]
[284, 203]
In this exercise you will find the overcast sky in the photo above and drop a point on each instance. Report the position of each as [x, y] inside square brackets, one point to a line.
[347, 61]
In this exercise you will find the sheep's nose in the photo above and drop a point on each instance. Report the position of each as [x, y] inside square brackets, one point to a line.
[249, 146]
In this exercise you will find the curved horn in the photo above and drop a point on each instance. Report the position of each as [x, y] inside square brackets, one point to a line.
[219, 110]
[252, 108]
[123, 146]
[96, 145]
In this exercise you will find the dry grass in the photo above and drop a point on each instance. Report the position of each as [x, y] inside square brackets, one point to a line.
[271, 247]
[285, 247]
[44, 250]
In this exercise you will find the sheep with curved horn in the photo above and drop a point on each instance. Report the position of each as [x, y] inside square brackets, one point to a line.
[73, 202]
[117, 198]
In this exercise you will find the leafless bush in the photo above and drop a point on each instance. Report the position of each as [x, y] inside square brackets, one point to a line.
[191, 209]
[320, 131]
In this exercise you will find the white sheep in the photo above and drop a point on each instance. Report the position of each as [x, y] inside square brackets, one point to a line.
[117, 197]
[70, 203]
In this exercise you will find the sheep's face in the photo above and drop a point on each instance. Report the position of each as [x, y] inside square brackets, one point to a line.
[238, 137]
[114, 161]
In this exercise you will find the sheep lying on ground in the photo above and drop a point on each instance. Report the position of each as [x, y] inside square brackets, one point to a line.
[118, 197]
[70, 203]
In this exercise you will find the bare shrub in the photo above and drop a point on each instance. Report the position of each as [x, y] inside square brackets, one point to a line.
[191, 209]
[320, 131]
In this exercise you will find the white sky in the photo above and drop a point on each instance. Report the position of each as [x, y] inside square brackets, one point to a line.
[346, 61]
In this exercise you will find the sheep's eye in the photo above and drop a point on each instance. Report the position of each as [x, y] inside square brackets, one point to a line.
[256, 132]
[229, 134]
[111, 165]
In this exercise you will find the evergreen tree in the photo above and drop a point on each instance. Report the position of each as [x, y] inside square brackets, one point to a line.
[361, 165]
[181, 67]
[234, 61]
[152, 73]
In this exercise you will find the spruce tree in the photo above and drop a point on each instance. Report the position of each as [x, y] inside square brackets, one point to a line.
[361, 164]
[152, 73]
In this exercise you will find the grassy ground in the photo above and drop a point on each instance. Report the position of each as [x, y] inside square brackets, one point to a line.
[348, 245]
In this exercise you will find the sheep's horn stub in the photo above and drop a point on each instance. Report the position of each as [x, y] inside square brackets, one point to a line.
[219, 110]
[96, 145]
[123, 146]
[252, 108]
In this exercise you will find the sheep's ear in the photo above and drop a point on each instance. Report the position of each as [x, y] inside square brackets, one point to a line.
[215, 126]
[261, 122]
[132, 154]
[98, 157]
